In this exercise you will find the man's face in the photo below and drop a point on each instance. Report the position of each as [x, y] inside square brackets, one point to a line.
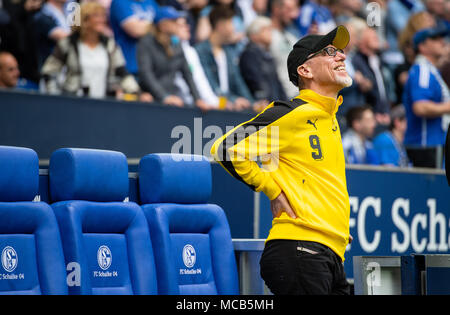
[436, 6]
[329, 70]
[434, 47]
[289, 11]
[401, 124]
[370, 41]
[366, 125]
[9, 71]
[183, 29]
[265, 35]
[96, 22]
[226, 29]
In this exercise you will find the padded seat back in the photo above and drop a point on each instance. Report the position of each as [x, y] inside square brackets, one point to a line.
[107, 238]
[32, 260]
[191, 238]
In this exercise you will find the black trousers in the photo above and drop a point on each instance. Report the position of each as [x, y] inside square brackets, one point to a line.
[290, 267]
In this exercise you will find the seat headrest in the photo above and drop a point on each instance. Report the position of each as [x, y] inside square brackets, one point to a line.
[19, 174]
[174, 178]
[88, 174]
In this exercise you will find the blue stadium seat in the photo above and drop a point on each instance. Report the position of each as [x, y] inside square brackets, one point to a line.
[191, 239]
[107, 238]
[32, 260]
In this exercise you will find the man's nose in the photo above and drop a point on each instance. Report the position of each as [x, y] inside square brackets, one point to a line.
[340, 56]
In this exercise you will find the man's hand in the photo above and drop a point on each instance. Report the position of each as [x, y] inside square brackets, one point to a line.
[281, 204]
[173, 100]
[241, 103]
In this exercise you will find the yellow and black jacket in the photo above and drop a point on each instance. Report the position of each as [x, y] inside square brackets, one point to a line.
[295, 147]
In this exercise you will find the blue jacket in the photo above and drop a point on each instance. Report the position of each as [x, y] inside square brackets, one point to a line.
[237, 87]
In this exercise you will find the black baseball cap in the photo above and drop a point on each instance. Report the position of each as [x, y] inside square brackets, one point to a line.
[310, 44]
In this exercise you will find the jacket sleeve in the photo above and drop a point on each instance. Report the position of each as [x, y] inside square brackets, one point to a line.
[53, 66]
[263, 137]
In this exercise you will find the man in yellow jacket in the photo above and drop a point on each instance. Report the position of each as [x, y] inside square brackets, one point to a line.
[292, 152]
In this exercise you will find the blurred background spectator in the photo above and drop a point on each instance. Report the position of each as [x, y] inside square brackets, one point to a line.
[130, 20]
[347, 9]
[437, 9]
[283, 14]
[398, 15]
[160, 58]
[315, 18]
[221, 62]
[238, 22]
[198, 22]
[426, 99]
[389, 144]
[416, 22]
[353, 95]
[358, 148]
[257, 64]
[16, 36]
[95, 64]
[368, 63]
[9, 71]
[198, 74]
[49, 25]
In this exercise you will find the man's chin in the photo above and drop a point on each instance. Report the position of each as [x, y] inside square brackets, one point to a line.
[344, 81]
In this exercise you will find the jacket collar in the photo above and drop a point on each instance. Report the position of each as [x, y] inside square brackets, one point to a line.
[326, 103]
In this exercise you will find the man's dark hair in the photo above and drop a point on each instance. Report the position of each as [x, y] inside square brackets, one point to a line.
[220, 13]
[356, 113]
[398, 112]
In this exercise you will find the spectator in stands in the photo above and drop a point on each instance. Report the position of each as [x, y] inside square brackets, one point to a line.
[130, 20]
[315, 18]
[368, 63]
[9, 71]
[238, 22]
[416, 22]
[160, 58]
[398, 14]
[257, 64]
[198, 74]
[251, 9]
[283, 13]
[389, 144]
[95, 64]
[220, 60]
[426, 99]
[358, 149]
[50, 25]
[347, 9]
[198, 22]
[437, 9]
[17, 37]
[353, 95]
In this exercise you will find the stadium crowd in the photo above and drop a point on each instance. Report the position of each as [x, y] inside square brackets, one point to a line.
[231, 55]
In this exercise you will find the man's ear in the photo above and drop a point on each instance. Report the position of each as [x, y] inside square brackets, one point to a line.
[304, 71]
